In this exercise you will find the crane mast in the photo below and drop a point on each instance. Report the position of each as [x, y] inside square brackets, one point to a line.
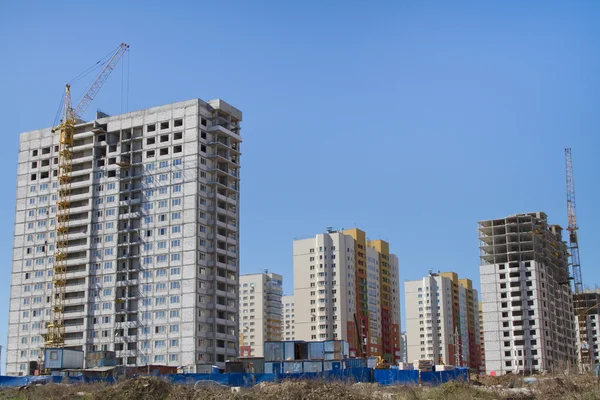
[572, 228]
[55, 336]
[579, 299]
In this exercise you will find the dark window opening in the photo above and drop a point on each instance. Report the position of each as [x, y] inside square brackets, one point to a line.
[150, 128]
[164, 125]
[178, 122]
[151, 140]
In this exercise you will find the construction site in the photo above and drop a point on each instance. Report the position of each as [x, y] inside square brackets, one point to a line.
[126, 263]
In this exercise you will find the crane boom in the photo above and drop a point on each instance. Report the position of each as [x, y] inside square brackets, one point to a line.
[572, 228]
[55, 336]
[97, 85]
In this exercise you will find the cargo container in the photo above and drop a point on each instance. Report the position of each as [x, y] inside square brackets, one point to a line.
[204, 369]
[273, 367]
[274, 351]
[316, 350]
[234, 366]
[293, 367]
[313, 366]
[333, 356]
[100, 359]
[254, 365]
[332, 365]
[332, 346]
[55, 358]
[355, 362]
[297, 350]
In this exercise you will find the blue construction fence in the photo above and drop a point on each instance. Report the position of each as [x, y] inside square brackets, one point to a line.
[385, 377]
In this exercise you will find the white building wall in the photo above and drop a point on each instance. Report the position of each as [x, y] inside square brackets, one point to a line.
[325, 284]
[149, 234]
[428, 318]
[288, 319]
[260, 310]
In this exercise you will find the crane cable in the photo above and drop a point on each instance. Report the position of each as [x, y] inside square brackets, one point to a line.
[100, 63]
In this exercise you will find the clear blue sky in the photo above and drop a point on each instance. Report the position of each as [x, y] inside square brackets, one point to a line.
[410, 120]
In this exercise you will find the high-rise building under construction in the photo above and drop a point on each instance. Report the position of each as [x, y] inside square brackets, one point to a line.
[527, 307]
[152, 237]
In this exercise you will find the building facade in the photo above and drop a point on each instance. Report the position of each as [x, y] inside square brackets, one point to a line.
[152, 237]
[587, 318]
[260, 312]
[527, 306]
[288, 319]
[441, 322]
[352, 292]
[403, 345]
[481, 341]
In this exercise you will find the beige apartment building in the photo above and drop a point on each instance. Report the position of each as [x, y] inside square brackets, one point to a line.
[442, 321]
[349, 288]
[259, 312]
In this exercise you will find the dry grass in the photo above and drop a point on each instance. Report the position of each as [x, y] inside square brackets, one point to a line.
[150, 388]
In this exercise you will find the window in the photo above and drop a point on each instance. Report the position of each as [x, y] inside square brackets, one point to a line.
[174, 300]
[174, 343]
[177, 175]
[175, 202]
[175, 243]
[175, 271]
[176, 229]
[175, 257]
[177, 188]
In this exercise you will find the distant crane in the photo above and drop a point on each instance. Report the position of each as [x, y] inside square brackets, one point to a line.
[572, 228]
[579, 303]
[55, 336]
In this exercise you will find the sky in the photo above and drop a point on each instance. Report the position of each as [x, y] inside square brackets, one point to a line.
[410, 120]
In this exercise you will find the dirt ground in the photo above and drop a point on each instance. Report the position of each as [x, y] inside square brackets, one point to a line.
[149, 388]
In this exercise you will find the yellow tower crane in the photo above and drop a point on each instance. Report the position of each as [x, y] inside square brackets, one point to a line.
[55, 336]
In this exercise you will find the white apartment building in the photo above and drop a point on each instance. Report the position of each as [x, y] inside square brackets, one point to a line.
[587, 303]
[152, 267]
[260, 312]
[288, 321]
[527, 309]
[350, 291]
[442, 321]
[429, 320]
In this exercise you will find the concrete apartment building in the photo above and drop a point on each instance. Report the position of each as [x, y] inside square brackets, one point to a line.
[588, 301]
[527, 307]
[288, 320]
[260, 312]
[344, 280]
[442, 321]
[153, 242]
[481, 340]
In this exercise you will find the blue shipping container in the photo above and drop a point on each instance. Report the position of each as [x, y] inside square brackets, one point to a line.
[316, 350]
